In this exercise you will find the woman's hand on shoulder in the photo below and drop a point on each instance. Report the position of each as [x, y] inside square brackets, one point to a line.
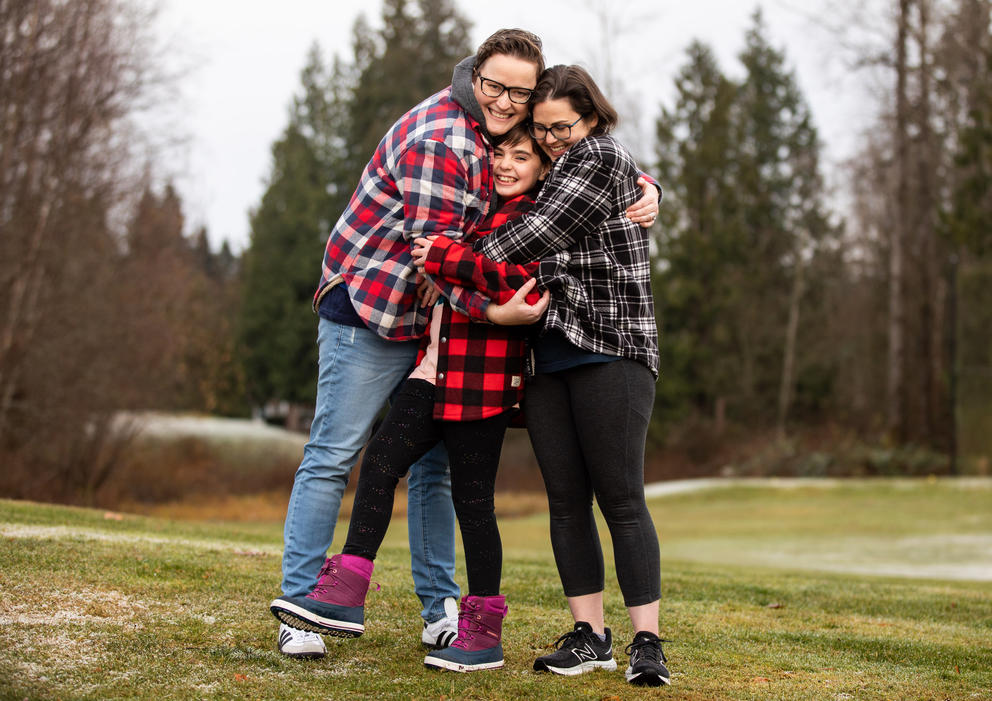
[645, 210]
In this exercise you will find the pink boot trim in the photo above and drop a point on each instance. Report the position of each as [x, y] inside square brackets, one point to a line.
[358, 564]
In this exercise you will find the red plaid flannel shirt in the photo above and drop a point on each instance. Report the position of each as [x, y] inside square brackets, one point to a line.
[430, 174]
[480, 366]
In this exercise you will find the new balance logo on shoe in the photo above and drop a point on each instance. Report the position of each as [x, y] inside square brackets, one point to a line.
[585, 652]
[579, 651]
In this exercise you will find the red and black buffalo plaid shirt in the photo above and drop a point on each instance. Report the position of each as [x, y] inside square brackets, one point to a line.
[480, 366]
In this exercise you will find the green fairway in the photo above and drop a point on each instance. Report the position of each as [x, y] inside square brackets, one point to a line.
[939, 529]
[767, 593]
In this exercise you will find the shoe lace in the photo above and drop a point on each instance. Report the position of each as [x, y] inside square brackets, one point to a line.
[302, 636]
[288, 633]
[570, 639]
[647, 648]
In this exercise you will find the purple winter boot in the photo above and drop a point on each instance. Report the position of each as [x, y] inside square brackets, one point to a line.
[336, 606]
[480, 632]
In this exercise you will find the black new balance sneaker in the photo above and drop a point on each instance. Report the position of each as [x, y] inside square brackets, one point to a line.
[577, 652]
[647, 661]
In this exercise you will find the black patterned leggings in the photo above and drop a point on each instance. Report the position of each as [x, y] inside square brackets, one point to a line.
[407, 433]
[588, 425]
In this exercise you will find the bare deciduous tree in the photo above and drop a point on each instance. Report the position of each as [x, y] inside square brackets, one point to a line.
[72, 72]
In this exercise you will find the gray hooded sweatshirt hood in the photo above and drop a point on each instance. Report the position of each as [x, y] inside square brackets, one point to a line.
[463, 93]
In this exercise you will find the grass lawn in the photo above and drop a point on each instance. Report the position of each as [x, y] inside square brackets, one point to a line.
[767, 594]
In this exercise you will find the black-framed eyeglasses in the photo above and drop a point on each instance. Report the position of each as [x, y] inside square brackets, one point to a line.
[493, 88]
[559, 131]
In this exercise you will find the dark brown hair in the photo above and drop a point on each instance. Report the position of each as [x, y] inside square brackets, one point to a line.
[520, 134]
[574, 84]
[512, 42]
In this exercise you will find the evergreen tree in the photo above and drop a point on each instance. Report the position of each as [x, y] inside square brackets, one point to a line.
[967, 215]
[783, 219]
[158, 271]
[179, 301]
[745, 221]
[965, 60]
[288, 232]
[696, 165]
[335, 124]
[212, 377]
[397, 67]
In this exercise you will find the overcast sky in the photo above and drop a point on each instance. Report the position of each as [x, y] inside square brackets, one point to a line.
[244, 59]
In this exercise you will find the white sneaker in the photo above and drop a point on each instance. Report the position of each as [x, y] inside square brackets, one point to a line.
[300, 643]
[442, 632]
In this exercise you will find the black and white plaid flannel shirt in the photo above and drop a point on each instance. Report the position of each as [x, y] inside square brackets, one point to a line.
[594, 260]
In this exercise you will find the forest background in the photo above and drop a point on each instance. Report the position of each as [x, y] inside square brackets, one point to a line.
[804, 332]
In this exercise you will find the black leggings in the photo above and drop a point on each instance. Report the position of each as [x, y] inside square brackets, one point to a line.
[588, 425]
[407, 433]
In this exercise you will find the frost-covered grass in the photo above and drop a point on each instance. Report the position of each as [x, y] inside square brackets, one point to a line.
[101, 605]
[175, 457]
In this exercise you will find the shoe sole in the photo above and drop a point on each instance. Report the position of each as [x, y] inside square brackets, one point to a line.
[578, 669]
[304, 655]
[437, 663]
[298, 617]
[646, 679]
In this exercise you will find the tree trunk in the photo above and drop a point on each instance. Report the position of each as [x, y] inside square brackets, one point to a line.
[789, 353]
[951, 345]
[925, 200]
[896, 388]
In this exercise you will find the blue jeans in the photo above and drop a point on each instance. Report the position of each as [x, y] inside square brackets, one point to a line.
[358, 373]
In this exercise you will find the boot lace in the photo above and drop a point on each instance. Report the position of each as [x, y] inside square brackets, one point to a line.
[330, 570]
[470, 622]
[466, 625]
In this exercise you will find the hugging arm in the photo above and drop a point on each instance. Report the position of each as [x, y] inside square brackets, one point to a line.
[457, 263]
[571, 206]
[434, 182]
[645, 210]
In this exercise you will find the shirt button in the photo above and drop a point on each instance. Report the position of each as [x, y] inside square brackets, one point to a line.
[440, 376]
[444, 339]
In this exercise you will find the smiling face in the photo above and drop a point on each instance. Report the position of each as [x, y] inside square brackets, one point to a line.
[517, 167]
[501, 113]
[559, 112]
